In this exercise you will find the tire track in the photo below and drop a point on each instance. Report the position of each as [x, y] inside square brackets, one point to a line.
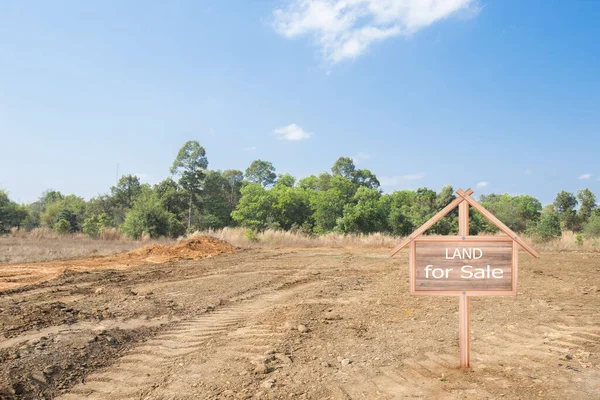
[177, 354]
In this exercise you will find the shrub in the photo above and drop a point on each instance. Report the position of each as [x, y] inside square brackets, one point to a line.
[548, 227]
[62, 226]
[579, 240]
[251, 235]
[592, 228]
[95, 225]
[148, 215]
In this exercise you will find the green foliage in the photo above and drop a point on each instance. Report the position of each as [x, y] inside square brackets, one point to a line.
[149, 216]
[69, 208]
[251, 236]
[173, 197]
[234, 180]
[261, 172]
[327, 206]
[255, 208]
[514, 211]
[564, 205]
[62, 226]
[592, 228]
[94, 225]
[579, 240]
[190, 165]
[548, 226]
[367, 214]
[286, 180]
[587, 201]
[127, 190]
[344, 167]
[291, 206]
[11, 214]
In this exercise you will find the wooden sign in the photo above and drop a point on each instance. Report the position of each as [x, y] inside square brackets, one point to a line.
[451, 265]
[464, 265]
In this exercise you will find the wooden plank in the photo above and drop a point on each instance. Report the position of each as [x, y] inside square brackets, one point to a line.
[428, 224]
[515, 262]
[463, 266]
[440, 238]
[412, 266]
[463, 219]
[464, 331]
[472, 293]
[500, 225]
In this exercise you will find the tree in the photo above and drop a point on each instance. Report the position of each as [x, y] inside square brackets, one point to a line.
[94, 225]
[327, 206]
[70, 208]
[126, 191]
[344, 167]
[548, 226]
[262, 172]
[565, 204]
[286, 180]
[190, 165]
[519, 213]
[235, 181]
[592, 228]
[291, 206]
[11, 214]
[148, 215]
[366, 215]
[587, 201]
[255, 208]
[215, 204]
[173, 197]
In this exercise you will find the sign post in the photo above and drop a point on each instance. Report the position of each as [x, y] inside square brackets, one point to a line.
[463, 265]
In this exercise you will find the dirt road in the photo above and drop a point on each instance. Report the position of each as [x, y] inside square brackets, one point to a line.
[307, 324]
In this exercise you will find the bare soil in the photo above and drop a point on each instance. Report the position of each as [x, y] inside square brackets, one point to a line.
[294, 323]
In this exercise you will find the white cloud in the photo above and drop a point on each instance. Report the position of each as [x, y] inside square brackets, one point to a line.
[482, 184]
[292, 132]
[344, 29]
[584, 177]
[361, 157]
[398, 180]
[250, 148]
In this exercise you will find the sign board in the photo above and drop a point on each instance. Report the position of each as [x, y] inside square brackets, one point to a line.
[464, 265]
[451, 265]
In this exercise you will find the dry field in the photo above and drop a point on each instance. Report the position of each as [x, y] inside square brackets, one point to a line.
[306, 323]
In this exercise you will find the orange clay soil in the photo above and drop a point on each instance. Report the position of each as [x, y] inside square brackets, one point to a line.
[16, 275]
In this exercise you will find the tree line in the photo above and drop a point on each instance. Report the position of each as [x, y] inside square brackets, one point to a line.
[346, 200]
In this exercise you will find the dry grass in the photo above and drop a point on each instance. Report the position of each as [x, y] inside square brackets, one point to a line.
[274, 239]
[42, 244]
[567, 242]
[271, 238]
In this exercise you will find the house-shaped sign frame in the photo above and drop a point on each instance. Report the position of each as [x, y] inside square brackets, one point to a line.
[463, 201]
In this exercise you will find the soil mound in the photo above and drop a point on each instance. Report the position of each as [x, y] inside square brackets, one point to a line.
[195, 248]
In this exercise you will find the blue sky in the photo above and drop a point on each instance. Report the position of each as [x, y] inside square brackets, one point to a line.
[500, 94]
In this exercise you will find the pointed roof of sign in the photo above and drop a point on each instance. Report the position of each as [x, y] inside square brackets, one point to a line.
[465, 196]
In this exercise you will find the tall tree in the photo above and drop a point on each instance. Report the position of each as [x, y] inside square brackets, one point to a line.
[126, 191]
[234, 179]
[262, 172]
[565, 204]
[587, 204]
[190, 165]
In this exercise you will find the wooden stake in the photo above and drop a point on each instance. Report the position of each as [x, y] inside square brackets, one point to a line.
[464, 323]
[465, 331]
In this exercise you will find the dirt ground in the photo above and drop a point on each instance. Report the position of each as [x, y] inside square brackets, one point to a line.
[295, 323]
